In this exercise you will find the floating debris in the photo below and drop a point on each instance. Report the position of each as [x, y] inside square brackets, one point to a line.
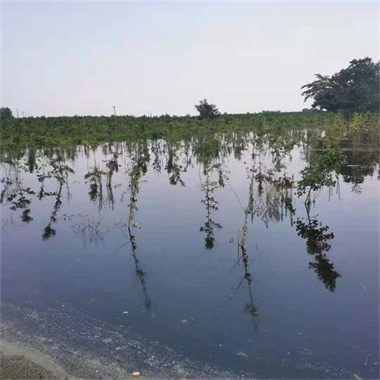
[136, 374]
[241, 353]
[125, 312]
[357, 377]
[184, 321]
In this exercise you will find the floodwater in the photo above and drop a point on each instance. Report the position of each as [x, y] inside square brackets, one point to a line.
[208, 247]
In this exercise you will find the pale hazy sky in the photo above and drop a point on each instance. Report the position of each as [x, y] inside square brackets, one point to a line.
[67, 58]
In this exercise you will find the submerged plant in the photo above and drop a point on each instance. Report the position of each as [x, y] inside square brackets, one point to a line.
[211, 204]
[242, 248]
[319, 172]
[138, 169]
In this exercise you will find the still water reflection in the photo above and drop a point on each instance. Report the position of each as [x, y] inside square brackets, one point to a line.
[258, 254]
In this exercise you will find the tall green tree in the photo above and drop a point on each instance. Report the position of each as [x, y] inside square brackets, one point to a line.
[5, 113]
[354, 89]
[207, 110]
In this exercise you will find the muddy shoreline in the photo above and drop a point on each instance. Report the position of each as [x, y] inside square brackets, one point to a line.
[67, 345]
[52, 341]
[18, 361]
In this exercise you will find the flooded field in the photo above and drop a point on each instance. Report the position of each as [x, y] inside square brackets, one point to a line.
[218, 255]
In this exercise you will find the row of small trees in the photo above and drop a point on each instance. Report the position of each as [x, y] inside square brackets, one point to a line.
[354, 89]
[205, 111]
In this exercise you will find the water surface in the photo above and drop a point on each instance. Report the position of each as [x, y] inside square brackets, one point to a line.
[207, 246]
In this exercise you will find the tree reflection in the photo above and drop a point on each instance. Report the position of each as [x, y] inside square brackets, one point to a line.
[14, 191]
[318, 242]
[96, 186]
[315, 176]
[113, 166]
[138, 169]
[210, 151]
[250, 307]
[157, 153]
[271, 182]
[243, 257]
[319, 173]
[211, 204]
[173, 168]
[359, 165]
[60, 172]
[274, 199]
